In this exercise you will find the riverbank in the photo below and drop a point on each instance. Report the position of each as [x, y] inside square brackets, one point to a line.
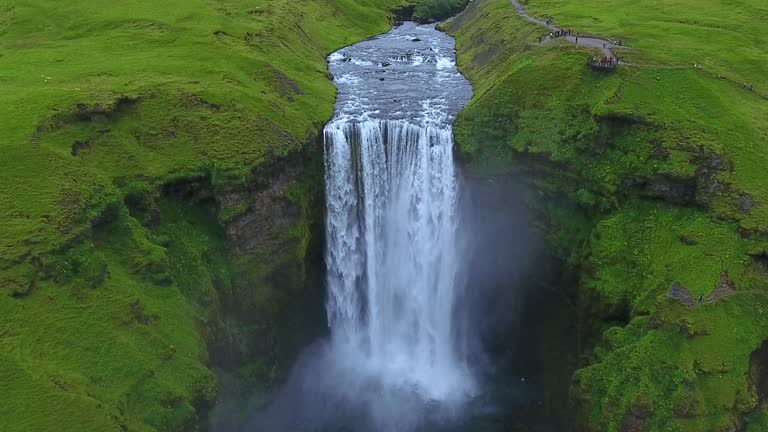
[647, 179]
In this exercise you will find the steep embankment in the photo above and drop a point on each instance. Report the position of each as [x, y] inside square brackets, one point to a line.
[429, 11]
[650, 184]
[161, 181]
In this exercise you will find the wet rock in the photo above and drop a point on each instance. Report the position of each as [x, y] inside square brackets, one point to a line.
[725, 287]
[758, 372]
[747, 203]
[415, 40]
[192, 190]
[152, 218]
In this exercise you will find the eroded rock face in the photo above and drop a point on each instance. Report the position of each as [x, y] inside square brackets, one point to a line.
[672, 190]
[725, 287]
[708, 177]
[273, 303]
[270, 212]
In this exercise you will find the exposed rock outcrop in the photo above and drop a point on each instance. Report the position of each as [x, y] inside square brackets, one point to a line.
[269, 211]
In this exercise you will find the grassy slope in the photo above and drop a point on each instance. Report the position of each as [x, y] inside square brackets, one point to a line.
[98, 330]
[605, 151]
[93, 53]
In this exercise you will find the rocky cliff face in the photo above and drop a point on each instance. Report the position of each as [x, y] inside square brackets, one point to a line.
[248, 258]
[279, 234]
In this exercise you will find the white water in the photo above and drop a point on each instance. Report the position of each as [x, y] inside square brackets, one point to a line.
[391, 229]
[391, 192]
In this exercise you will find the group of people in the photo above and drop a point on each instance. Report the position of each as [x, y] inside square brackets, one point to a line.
[607, 62]
[560, 33]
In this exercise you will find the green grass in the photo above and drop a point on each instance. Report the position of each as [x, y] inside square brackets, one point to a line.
[724, 36]
[210, 86]
[642, 178]
[640, 251]
[80, 355]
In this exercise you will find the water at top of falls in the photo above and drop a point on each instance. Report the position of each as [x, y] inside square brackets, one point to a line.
[407, 74]
[392, 259]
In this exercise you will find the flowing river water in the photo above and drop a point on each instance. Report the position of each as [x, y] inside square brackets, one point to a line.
[407, 314]
[391, 192]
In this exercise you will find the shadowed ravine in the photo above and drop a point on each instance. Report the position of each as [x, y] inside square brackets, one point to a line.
[407, 325]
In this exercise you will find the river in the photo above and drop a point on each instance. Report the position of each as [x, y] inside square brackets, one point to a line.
[391, 191]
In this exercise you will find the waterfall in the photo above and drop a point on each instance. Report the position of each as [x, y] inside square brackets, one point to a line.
[395, 361]
[391, 254]
[391, 225]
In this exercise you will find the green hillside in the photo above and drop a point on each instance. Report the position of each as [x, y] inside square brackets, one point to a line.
[139, 140]
[650, 183]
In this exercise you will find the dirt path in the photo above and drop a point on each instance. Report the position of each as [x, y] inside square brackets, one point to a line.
[603, 44]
